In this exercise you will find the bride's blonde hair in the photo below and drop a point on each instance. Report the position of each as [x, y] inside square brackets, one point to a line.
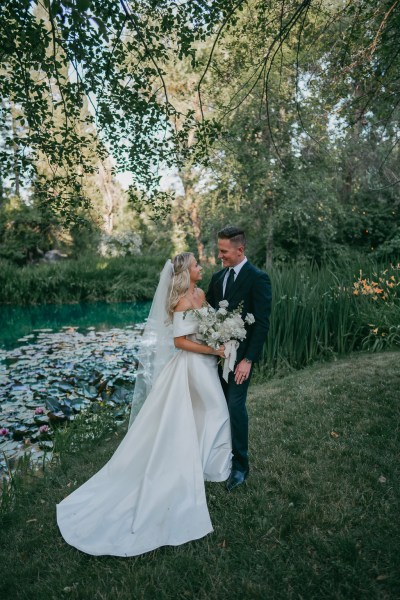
[180, 280]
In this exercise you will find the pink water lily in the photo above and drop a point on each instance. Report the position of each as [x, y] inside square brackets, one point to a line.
[43, 429]
[39, 410]
[4, 431]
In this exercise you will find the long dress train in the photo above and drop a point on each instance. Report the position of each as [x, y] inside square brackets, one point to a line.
[151, 492]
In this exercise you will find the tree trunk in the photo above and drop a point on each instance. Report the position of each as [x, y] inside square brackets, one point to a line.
[351, 158]
[195, 221]
[269, 237]
[15, 150]
[106, 186]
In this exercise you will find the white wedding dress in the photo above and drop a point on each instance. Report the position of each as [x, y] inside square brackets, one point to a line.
[151, 492]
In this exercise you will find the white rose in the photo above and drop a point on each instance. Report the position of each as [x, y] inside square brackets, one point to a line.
[223, 304]
[222, 311]
[249, 318]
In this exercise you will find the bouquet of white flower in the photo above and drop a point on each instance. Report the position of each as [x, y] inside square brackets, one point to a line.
[223, 327]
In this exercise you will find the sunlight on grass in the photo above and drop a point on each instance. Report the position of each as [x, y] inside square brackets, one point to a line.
[100, 266]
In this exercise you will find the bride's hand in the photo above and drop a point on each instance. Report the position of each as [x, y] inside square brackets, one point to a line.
[220, 352]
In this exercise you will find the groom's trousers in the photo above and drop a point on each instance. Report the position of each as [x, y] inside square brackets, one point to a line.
[236, 399]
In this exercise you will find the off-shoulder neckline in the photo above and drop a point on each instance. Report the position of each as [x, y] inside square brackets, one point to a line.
[177, 312]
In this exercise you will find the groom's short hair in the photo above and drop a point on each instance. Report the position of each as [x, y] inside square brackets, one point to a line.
[234, 234]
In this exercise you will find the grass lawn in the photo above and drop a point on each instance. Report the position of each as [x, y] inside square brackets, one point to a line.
[318, 519]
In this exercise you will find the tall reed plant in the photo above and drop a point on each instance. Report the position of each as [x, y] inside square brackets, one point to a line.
[316, 314]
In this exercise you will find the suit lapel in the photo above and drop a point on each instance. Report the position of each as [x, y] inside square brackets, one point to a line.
[244, 273]
[219, 284]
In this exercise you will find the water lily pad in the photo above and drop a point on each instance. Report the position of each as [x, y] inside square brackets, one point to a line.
[19, 432]
[53, 404]
[9, 448]
[19, 388]
[120, 414]
[57, 416]
[46, 445]
[119, 396]
[41, 419]
[89, 391]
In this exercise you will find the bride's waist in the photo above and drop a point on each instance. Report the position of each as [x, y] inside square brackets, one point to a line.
[197, 339]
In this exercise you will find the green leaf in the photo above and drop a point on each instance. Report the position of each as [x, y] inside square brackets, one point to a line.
[83, 4]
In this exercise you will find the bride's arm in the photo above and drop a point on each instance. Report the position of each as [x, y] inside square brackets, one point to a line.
[183, 343]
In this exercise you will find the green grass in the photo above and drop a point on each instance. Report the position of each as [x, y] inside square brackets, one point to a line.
[316, 519]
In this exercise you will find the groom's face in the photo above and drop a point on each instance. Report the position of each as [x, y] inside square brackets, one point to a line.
[230, 254]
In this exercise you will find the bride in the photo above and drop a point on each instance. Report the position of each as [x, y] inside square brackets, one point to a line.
[151, 492]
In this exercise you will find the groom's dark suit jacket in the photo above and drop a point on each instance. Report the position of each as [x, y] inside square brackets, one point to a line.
[253, 288]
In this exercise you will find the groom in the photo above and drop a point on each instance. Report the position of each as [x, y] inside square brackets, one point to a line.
[240, 281]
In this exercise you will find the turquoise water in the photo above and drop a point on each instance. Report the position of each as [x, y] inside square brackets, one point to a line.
[18, 321]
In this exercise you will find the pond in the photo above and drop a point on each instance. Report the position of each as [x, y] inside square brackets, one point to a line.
[56, 361]
[18, 321]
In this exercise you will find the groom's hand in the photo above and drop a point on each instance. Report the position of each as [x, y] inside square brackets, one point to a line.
[242, 371]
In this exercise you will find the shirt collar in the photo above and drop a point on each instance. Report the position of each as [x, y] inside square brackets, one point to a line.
[237, 268]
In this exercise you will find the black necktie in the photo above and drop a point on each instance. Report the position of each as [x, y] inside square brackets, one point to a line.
[229, 283]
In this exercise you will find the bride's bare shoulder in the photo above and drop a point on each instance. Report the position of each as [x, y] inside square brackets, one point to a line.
[186, 304]
[201, 294]
[182, 305]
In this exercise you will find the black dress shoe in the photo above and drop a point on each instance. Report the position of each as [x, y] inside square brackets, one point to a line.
[235, 479]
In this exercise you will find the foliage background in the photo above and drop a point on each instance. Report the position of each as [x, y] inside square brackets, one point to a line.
[280, 116]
